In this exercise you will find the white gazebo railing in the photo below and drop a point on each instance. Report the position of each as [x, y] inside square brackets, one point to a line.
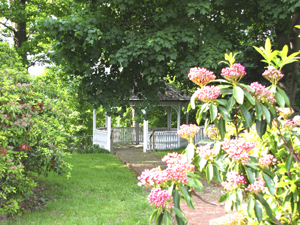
[126, 135]
[100, 138]
[169, 140]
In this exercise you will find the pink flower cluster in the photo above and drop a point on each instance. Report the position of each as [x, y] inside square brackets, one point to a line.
[272, 75]
[261, 94]
[266, 160]
[208, 93]
[176, 172]
[201, 76]
[238, 149]
[285, 112]
[257, 186]
[206, 152]
[22, 85]
[234, 73]
[161, 199]
[213, 133]
[234, 180]
[296, 119]
[188, 131]
[288, 124]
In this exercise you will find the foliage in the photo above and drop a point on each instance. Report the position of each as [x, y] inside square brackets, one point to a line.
[88, 149]
[255, 153]
[19, 19]
[31, 123]
[143, 42]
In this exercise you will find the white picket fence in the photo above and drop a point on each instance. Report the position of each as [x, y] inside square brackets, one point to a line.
[126, 135]
[100, 138]
[163, 139]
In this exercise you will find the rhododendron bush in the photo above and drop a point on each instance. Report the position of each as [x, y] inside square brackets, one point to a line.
[31, 133]
[253, 150]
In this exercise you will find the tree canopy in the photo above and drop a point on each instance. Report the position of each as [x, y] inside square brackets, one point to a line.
[117, 46]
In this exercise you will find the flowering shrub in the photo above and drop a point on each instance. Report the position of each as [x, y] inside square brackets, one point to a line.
[255, 149]
[31, 132]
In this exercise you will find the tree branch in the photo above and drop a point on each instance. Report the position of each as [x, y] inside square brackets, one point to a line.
[8, 27]
[208, 202]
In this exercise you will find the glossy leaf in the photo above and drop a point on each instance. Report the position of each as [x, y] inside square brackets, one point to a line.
[280, 99]
[249, 97]
[264, 203]
[209, 172]
[213, 112]
[187, 197]
[266, 113]
[250, 174]
[250, 205]
[283, 94]
[258, 211]
[224, 113]
[180, 218]
[258, 111]
[231, 102]
[238, 94]
[270, 183]
[289, 163]
[246, 115]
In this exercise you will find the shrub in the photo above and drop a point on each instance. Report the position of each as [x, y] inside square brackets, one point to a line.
[31, 131]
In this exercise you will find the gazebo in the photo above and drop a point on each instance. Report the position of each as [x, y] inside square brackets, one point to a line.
[164, 138]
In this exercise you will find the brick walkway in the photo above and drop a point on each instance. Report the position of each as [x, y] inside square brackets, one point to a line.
[203, 212]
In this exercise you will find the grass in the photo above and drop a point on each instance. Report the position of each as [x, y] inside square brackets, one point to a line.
[162, 153]
[101, 190]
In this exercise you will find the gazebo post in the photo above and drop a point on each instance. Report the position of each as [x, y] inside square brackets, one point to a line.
[169, 118]
[187, 117]
[136, 125]
[145, 133]
[108, 127]
[94, 123]
[178, 122]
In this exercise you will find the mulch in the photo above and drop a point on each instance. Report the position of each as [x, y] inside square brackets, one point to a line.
[204, 212]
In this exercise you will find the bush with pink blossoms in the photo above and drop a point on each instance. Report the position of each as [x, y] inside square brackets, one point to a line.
[256, 152]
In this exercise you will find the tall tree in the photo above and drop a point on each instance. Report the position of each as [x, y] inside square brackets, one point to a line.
[142, 42]
[19, 18]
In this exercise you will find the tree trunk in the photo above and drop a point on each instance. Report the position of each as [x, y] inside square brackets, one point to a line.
[288, 35]
[19, 33]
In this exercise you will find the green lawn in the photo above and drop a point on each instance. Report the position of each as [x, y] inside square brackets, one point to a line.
[101, 190]
[162, 153]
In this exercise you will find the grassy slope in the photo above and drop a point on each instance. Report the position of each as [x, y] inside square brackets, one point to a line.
[101, 190]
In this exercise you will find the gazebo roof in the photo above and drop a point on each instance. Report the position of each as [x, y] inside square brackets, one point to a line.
[171, 94]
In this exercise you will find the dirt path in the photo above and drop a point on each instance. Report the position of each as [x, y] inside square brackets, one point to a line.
[203, 213]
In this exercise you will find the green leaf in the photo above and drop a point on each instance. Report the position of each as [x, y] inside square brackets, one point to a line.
[264, 203]
[250, 174]
[246, 115]
[258, 111]
[270, 183]
[239, 198]
[176, 198]
[159, 219]
[217, 175]
[224, 113]
[230, 103]
[250, 206]
[266, 113]
[202, 163]
[154, 215]
[187, 197]
[238, 94]
[190, 151]
[261, 127]
[209, 172]
[224, 197]
[258, 211]
[289, 163]
[167, 218]
[213, 112]
[226, 91]
[249, 97]
[180, 215]
[280, 99]
[283, 94]
[221, 102]
[222, 128]
[245, 86]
